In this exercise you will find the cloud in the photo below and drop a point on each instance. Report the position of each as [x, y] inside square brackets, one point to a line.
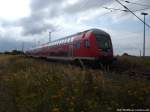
[35, 24]
[43, 4]
[84, 5]
[44, 13]
[9, 44]
[39, 19]
[51, 10]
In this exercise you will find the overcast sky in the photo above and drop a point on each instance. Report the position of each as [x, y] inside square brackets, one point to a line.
[29, 21]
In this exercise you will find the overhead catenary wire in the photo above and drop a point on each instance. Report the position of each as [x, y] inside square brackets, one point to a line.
[137, 3]
[132, 13]
[117, 9]
[146, 7]
[141, 9]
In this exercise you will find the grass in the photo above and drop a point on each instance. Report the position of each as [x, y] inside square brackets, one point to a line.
[34, 85]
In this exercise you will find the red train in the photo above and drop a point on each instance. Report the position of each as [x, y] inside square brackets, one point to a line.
[93, 44]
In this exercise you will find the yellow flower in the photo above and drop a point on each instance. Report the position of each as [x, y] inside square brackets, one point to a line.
[73, 98]
[55, 97]
[135, 92]
[55, 110]
[71, 103]
[71, 110]
[76, 90]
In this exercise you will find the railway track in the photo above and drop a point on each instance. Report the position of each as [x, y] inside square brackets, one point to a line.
[114, 68]
[140, 74]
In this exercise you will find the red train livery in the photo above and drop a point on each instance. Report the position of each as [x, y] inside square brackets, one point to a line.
[93, 44]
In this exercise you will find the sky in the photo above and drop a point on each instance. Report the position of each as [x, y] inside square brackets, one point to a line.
[29, 22]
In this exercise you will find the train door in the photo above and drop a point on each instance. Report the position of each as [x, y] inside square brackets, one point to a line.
[70, 50]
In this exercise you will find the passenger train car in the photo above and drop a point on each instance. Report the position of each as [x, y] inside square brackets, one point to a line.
[92, 44]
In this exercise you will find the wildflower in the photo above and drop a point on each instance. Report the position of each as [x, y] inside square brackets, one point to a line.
[71, 103]
[71, 110]
[55, 97]
[73, 98]
[55, 110]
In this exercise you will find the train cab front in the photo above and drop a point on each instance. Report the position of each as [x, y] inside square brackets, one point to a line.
[104, 47]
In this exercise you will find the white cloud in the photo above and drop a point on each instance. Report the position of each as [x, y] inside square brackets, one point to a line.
[14, 9]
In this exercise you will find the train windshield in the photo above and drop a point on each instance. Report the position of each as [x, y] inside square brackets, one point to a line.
[103, 42]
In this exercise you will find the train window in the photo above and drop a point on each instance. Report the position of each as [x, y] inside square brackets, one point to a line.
[78, 45]
[87, 44]
[103, 41]
[69, 39]
[60, 41]
[65, 40]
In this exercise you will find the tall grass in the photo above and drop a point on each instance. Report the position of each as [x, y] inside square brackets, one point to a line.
[31, 85]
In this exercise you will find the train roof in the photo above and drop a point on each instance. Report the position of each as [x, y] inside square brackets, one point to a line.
[98, 31]
[93, 30]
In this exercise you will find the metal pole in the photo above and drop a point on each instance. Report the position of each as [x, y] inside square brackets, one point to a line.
[49, 36]
[35, 44]
[144, 39]
[22, 46]
[140, 52]
[144, 34]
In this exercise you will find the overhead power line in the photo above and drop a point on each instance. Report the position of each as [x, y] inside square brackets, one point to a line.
[115, 9]
[133, 13]
[141, 9]
[137, 3]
